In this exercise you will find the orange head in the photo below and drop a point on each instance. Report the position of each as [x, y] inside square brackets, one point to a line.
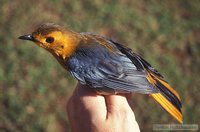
[58, 40]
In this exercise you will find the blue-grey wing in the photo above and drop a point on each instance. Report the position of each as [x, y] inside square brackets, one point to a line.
[108, 71]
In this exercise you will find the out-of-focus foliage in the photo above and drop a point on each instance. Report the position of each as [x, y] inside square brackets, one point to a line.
[34, 88]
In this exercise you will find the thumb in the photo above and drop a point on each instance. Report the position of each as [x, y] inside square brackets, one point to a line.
[117, 103]
[118, 109]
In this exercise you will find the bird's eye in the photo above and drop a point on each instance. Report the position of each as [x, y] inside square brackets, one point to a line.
[49, 39]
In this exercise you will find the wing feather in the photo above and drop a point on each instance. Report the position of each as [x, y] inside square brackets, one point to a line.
[97, 66]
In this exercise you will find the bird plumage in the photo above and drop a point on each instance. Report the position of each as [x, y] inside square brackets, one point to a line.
[107, 66]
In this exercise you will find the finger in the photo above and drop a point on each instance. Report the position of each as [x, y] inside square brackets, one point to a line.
[116, 103]
[87, 103]
[119, 111]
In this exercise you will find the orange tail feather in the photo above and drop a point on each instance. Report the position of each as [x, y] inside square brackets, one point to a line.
[168, 98]
[169, 107]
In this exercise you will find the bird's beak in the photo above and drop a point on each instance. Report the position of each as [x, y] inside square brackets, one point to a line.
[27, 37]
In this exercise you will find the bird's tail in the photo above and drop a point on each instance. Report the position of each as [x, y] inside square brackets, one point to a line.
[168, 98]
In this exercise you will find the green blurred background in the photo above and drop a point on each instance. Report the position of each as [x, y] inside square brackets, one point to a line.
[34, 88]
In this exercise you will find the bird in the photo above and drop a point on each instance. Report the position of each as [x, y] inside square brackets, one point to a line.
[105, 65]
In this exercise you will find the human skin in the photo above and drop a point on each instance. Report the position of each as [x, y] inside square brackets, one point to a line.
[91, 112]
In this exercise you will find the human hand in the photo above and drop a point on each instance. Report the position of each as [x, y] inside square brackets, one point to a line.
[91, 112]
